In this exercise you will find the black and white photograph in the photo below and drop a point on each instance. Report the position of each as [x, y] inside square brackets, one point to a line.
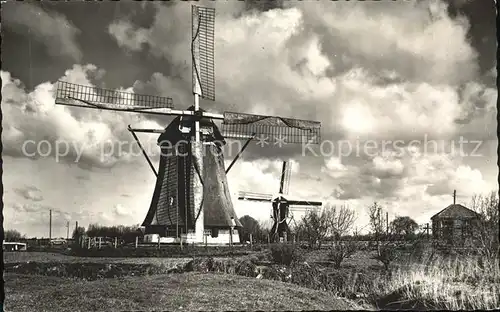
[256, 155]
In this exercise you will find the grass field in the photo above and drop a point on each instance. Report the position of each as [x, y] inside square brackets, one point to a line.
[172, 292]
[459, 283]
[13, 257]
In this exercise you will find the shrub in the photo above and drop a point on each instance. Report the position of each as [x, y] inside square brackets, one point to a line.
[340, 251]
[87, 271]
[246, 268]
[285, 254]
[308, 276]
[387, 254]
[276, 273]
[200, 265]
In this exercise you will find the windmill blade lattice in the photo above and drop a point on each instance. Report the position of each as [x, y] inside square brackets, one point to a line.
[78, 95]
[255, 196]
[273, 129]
[287, 173]
[203, 51]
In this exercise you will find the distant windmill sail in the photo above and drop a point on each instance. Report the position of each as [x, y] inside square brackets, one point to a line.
[285, 178]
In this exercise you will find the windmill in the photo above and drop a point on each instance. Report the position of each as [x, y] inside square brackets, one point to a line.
[282, 206]
[191, 195]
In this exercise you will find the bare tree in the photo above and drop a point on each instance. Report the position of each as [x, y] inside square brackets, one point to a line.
[486, 231]
[340, 251]
[339, 220]
[265, 226]
[376, 219]
[387, 254]
[313, 227]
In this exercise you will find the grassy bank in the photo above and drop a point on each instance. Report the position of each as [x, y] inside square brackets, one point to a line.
[172, 292]
[449, 284]
[440, 282]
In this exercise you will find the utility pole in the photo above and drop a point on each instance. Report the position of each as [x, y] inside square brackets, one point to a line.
[67, 231]
[50, 226]
[454, 197]
[380, 224]
[387, 223]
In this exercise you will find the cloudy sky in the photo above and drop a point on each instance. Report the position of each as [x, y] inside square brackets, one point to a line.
[396, 85]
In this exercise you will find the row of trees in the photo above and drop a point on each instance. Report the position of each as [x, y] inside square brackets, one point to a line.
[487, 231]
[333, 222]
[13, 236]
[125, 233]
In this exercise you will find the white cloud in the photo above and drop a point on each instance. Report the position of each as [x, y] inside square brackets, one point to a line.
[128, 37]
[334, 167]
[383, 166]
[90, 134]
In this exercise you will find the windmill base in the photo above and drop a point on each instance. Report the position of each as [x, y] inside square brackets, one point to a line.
[223, 238]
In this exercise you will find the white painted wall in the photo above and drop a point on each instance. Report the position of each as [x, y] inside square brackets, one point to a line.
[222, 238]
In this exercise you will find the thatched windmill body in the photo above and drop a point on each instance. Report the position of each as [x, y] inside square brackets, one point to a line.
[191, 198]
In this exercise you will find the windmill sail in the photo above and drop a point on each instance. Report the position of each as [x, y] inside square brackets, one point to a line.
[255, 196]
[273, 129]
[86, 96]
[285, 178]
[304, 203]
[202, 49]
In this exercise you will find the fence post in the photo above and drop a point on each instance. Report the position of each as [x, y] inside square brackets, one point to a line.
[268, 239]
[136, 241]
[99, 242]
[116, 242]
[159, 237]
[89, 243]
[251, 240]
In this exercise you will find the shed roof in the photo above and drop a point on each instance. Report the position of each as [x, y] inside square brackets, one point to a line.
[455, 211]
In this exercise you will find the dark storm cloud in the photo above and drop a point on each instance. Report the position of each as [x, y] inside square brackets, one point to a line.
[482, 31]
[51, 28]
[263, 5]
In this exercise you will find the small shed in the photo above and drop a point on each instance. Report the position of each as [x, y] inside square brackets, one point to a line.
[454, 224]
[14, 246]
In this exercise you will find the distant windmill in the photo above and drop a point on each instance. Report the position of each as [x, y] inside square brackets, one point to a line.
[192, 193]
[282, 207]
